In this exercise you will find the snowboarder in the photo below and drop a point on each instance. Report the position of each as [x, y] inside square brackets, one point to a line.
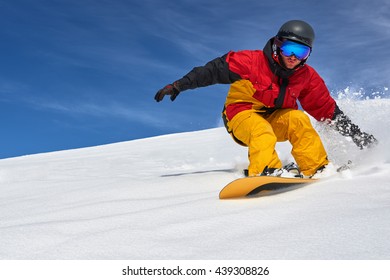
[261, 106]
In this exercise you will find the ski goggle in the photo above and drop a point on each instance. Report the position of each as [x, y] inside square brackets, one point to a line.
[289, 48]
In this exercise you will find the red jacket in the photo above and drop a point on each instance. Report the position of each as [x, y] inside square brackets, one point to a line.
[259, 82]
[304, 85]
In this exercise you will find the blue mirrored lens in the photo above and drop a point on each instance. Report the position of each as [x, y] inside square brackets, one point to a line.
[290, 48]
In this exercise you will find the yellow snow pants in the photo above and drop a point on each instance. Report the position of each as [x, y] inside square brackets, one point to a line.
[261, 132]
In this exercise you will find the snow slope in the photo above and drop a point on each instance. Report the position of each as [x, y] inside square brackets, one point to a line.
[157, 198]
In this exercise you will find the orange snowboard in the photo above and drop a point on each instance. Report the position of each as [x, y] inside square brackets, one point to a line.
[261, 186]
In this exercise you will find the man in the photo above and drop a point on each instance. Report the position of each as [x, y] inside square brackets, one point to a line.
[261, 106]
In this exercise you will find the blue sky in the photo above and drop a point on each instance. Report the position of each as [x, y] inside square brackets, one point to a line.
[84, 73]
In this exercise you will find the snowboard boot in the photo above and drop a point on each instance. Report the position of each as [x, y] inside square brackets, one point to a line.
[266, 172]
[290, 170]
[325, 171]
[293, 169]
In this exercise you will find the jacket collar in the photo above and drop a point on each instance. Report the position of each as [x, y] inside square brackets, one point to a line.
[274, 63]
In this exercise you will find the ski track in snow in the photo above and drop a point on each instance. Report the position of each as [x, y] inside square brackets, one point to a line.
[157, 198]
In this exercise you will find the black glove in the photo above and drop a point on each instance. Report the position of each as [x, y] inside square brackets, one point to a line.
[344, 125]
[364, 140]
[172, 89]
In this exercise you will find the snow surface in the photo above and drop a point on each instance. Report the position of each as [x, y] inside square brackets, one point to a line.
[157, 198]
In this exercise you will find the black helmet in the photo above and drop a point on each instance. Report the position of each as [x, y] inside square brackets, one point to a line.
[297, 30]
